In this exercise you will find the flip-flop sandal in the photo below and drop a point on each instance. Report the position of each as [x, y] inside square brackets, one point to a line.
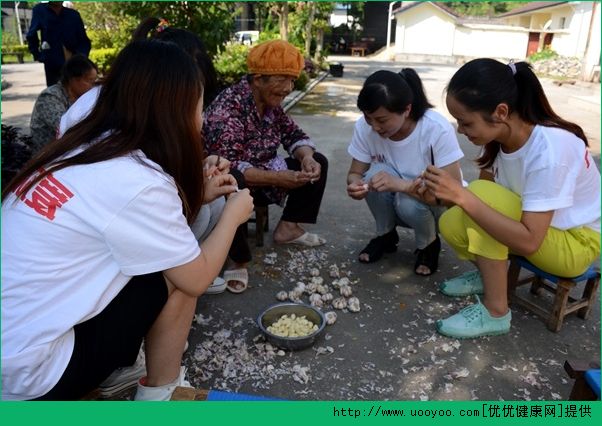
[307, 240]
[238, 275]
[217, 286]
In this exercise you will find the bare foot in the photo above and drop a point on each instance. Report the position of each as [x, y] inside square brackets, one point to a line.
[235, 285]
[287, 231]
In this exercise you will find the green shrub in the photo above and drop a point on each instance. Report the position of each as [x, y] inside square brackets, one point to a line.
[103, 58]
[231, 63]
[546, 53]
[301, 81]
[15, 48]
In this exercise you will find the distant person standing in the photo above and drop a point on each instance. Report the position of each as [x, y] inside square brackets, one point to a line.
[62, 35]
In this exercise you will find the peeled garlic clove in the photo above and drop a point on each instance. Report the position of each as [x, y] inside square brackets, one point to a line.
[322, 289]
[331, 317]
[353, 304]
[282, 295]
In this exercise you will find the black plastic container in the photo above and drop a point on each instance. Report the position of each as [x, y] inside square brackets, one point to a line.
[336, 69]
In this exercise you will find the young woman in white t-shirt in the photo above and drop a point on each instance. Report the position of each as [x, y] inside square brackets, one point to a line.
[97, 251]
[393, 142]
[538, 195]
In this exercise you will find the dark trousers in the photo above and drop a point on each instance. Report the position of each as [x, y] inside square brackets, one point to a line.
[53, 74]
[302, 205]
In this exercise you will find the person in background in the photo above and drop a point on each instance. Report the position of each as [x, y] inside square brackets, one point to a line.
[62, 34]
[79, 75]
[246, 125]
[393, 142]
[113, 200]
[538, 195]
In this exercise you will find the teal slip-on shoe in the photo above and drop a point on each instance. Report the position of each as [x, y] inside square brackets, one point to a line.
[474, 321]
[467, 284]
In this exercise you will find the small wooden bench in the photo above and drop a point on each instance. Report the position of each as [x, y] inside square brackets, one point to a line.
[20, 56]
[563, 303]
[262, 223]
[358, 51]
[577, 369]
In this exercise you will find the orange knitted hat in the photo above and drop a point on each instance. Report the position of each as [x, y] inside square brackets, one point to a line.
[275, 57]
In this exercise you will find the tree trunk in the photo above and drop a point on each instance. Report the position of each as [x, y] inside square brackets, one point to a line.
[308, 27]
[283, 21]
[319, 44]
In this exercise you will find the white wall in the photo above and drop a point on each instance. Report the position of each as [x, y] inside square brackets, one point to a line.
[424, 30]
[495, 43]
[573, 41]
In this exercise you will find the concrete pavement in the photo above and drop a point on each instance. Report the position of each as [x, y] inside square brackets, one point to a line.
[389, 350]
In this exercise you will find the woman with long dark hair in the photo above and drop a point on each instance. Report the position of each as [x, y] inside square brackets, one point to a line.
[393, 142]
[538, 195]
[97, 251]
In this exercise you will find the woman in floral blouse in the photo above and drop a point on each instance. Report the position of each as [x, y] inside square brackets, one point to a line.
[246, 125]
[77, 77]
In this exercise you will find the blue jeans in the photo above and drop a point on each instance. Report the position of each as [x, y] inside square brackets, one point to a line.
[395, 208]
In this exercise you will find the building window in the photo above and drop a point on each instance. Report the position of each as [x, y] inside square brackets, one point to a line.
[562, 23]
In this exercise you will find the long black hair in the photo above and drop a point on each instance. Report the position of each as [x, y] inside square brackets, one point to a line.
[394, 92]
[482, 84]
[149, 101]
[191, 43]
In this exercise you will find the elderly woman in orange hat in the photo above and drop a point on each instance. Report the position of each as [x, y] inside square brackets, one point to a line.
[247, 125]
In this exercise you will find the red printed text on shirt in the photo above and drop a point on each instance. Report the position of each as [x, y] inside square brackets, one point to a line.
[46, 196]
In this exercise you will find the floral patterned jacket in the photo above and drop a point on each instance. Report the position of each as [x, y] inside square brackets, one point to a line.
[232, 129]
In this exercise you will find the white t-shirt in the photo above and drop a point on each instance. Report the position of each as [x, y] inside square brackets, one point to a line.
[553, 171]
[79, 110]
[411, 155]
[68, 247]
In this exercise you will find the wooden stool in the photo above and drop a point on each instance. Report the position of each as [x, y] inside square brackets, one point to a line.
[261, 221]
[582, 371]
[563, 303]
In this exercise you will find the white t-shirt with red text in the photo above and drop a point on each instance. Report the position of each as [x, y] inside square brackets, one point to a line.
[69, 246]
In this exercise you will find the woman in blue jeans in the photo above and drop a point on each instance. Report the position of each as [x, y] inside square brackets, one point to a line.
[394, 141]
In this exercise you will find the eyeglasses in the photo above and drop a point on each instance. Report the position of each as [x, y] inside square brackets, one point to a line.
[287, 82]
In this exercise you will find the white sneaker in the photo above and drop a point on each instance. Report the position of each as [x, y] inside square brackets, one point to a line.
[124, 378]
[160, 393]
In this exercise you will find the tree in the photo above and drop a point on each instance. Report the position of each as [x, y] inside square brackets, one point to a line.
[488, 8]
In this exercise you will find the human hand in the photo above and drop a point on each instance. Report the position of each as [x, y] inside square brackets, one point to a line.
[216, 165]
[218, 186]
[311, 167]
[357, 190]
[442, 185]
[239, 206]
[291, 179]
[384, 182]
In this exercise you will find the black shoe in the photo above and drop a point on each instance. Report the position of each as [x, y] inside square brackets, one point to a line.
[428, 256]
[378, 246]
